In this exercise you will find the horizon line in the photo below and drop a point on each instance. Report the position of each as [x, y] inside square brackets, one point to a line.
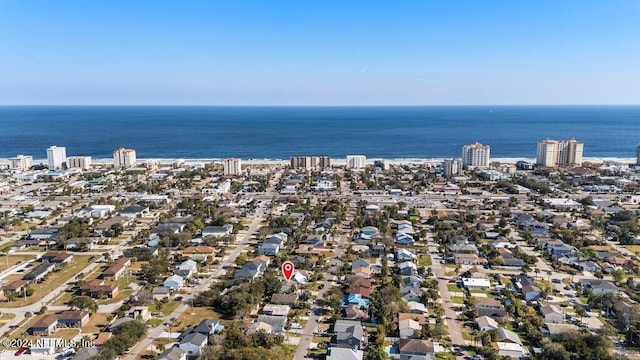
[311, 105]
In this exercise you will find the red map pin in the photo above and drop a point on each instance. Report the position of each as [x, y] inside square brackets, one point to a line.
[287, 270]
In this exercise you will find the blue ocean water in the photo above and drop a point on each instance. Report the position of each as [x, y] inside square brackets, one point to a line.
[279, 132]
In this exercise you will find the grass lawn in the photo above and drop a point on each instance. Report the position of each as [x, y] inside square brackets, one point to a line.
[53, 281]
[96, 323]
[457, 300]
[122, 295]
[166, 309]
[424, 260]
[154, 322]
[480, 291]
[633, 248]
[7, 316]
[454, 288]
[63, 298]
[124, 281]
[445, 356]
[13, 260]
[199, 314]
[321, 339]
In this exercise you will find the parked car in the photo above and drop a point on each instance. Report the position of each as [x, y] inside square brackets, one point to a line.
[21, 351]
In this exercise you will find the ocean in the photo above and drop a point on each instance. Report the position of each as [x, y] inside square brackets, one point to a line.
[280, 132]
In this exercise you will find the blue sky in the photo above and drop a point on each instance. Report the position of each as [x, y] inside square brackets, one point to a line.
[326, 52]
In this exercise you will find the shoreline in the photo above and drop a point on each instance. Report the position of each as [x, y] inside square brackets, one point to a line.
[334, 161]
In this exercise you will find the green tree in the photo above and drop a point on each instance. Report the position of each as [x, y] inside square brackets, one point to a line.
[83, 303]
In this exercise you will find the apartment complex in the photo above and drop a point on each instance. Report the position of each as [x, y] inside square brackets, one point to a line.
[452, 167]
[356, 161]
[79, 162]
[475, 156]
[56, 157]
[552, 153]
[21, 162]
[232, 167]
[124, 158]
[310, 162]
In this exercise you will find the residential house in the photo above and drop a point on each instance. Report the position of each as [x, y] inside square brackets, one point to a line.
[251, 270]
[276, 310]
[174, 282]
[476, 283]
[505, 335]
[407, 268]
[39, 272]
[408, 327]
[555, 331]
[416, 307]
[338, 353]
[193, 344]
[186, 269]
[57, 257]
[552, 314]
[349, 334]
[160, 292]
[490, 307]
[416, 349]
[73, 318]
[486, 323]
[45, 326]
[411, 294]
[360, 263]
[134, 211]
[277, 323]
[468, 259]
[284, 299]
[405, 255]
[97, 289]
[80, 243]
[168, 229]
[199, 253]
[141, 253]
[16, 287]
[173, 353]
[217, 231]
[269, 249]
[510, 349]
[116, 269]
[354, 312]
[597, 286]
[404, 239]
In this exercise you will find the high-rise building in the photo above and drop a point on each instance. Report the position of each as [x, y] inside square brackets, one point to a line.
[80, 162]
[475, 156]
[552, 153]
[232, 167]
[452, 167]
[56, 157]
[310, 162]
[356, 161]
[124, 158]
[21, 162]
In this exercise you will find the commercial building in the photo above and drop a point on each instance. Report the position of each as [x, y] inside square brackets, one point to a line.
[552, 153]
[452, 167]
[79, 162]
[356, 161]
[475, 156]
[310, 162]
[124, 158]
[21, 162]
[56, 157]
[232, 167]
